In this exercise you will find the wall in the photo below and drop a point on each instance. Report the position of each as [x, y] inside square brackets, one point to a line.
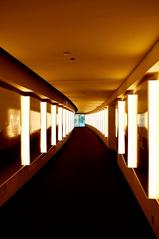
[111, 127]
[17, 80]
[137, 178]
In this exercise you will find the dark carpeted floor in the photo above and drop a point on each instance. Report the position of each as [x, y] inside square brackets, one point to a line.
[81, 190]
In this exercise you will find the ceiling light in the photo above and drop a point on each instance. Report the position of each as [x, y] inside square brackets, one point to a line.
[72, 58]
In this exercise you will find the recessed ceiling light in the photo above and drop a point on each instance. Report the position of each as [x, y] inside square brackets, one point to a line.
[72, 59]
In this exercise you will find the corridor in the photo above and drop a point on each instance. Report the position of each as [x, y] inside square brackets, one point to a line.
[81, 189]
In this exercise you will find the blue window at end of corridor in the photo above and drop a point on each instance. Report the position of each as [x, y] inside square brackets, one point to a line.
[79, 120]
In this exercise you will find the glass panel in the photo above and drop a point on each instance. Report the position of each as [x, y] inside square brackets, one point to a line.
[142, 169]
[34, 128]
[9, 133]
[126, 133]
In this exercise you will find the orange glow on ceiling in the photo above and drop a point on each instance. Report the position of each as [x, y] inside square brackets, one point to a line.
[106, 38]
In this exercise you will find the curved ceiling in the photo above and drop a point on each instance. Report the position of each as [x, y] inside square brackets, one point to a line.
[84, 48]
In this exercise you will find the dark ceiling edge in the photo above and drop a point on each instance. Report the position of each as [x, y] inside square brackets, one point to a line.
[34, 74]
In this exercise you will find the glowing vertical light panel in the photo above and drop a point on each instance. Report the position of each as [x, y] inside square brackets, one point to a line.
[64, 122]
[59, 123]
[121, 127]
[67, 125]
[53, 124]
[153, 134]
[25, 130]
[106, 122]
[103, 122]
[132, 131]
[68, 121]
[43, 138]
[116, 122]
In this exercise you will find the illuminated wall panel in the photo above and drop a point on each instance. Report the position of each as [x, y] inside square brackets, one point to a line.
[25, 130]
[69, 122]
[132, 131]
[106, 122]
[53, 124]
[64, 122]
[121, 127]
[43, 106]
[48, 126]
[67, 128]
[116, 122]
[153, 133]
[59, 123]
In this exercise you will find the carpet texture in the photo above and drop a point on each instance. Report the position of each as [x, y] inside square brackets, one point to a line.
[80, 191]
